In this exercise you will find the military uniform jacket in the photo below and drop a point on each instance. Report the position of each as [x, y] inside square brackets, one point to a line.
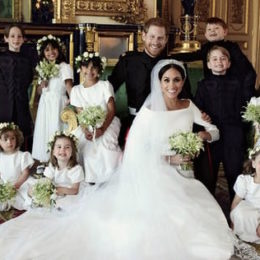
[134, 68]
[221, 97]
[15, 78]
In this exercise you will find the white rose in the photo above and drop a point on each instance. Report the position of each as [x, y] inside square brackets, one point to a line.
[255, 101]
[50, 37]
[96, 54]
[85, 54]
[91, 55]
[44, 38]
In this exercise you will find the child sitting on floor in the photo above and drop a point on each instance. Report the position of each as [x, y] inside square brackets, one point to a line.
[63, 169]
[245, 208]
[14, 165]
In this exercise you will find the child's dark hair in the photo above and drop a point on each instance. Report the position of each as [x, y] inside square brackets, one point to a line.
[73, 159]
[180, 69]
[55, 45]
[216, 20]
[156, 21]
[11, 127]
[96, 61]
[10, 26]
[174, 66]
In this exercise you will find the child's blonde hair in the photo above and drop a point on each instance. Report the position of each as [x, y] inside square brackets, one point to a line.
[223, 50]
[73, 140]
[11, 127]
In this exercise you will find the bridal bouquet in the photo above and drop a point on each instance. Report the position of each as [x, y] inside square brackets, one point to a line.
[47, 70]
[186, 144]
[7, 192]
[43, 193]
[92, 117]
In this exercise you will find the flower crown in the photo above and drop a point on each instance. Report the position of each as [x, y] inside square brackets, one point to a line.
[47, 38]
[7, 125]
[253, 152]
[85, 56]
[62, 134]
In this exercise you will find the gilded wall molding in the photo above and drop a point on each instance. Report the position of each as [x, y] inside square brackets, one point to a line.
[238, 12]
[124, 11]
[14, 11]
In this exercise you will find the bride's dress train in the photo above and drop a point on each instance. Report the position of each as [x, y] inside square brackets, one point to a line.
[146, 212]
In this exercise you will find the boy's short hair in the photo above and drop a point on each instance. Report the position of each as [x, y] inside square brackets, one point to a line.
[216, 20]
[156, 21]
[223, 50]
[8, 28]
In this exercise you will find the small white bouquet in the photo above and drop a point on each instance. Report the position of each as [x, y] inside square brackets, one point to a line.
[7, 193]
[252, 111]
[92, 117]
[47, 70]
[252, 114]
[43, 193]
[186, 144]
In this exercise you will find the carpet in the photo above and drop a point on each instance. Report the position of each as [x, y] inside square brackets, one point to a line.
[7, 215]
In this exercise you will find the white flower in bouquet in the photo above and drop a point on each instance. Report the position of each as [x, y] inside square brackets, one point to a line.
[44, 193]
[186, 144]
[92, 117]
[7, 192]
[47, 70]
[252, 111]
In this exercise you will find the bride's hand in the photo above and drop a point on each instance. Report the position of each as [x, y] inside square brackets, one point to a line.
[177, 159]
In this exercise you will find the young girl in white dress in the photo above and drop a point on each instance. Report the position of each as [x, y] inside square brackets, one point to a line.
[14, 165]
[245, 208]
[63, 169]
[54, 96]
[100, 157]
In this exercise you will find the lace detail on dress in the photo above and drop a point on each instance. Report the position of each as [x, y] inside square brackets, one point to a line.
[244, 251]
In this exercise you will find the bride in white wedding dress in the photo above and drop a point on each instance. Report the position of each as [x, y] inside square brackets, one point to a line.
[148, 211]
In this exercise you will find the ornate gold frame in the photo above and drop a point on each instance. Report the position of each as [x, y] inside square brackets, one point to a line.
[125, 11]
[128, 44]
[16, 12]
[238, 17]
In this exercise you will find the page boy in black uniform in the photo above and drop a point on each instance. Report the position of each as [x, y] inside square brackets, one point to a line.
[222, 97]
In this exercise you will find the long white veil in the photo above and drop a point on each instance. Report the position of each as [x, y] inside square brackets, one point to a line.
[146, 212]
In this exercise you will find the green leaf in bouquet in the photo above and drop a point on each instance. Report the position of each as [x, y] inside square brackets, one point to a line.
[42, 193]
[186, 144]
[93, 116]
[7, 192]
[252, 113]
